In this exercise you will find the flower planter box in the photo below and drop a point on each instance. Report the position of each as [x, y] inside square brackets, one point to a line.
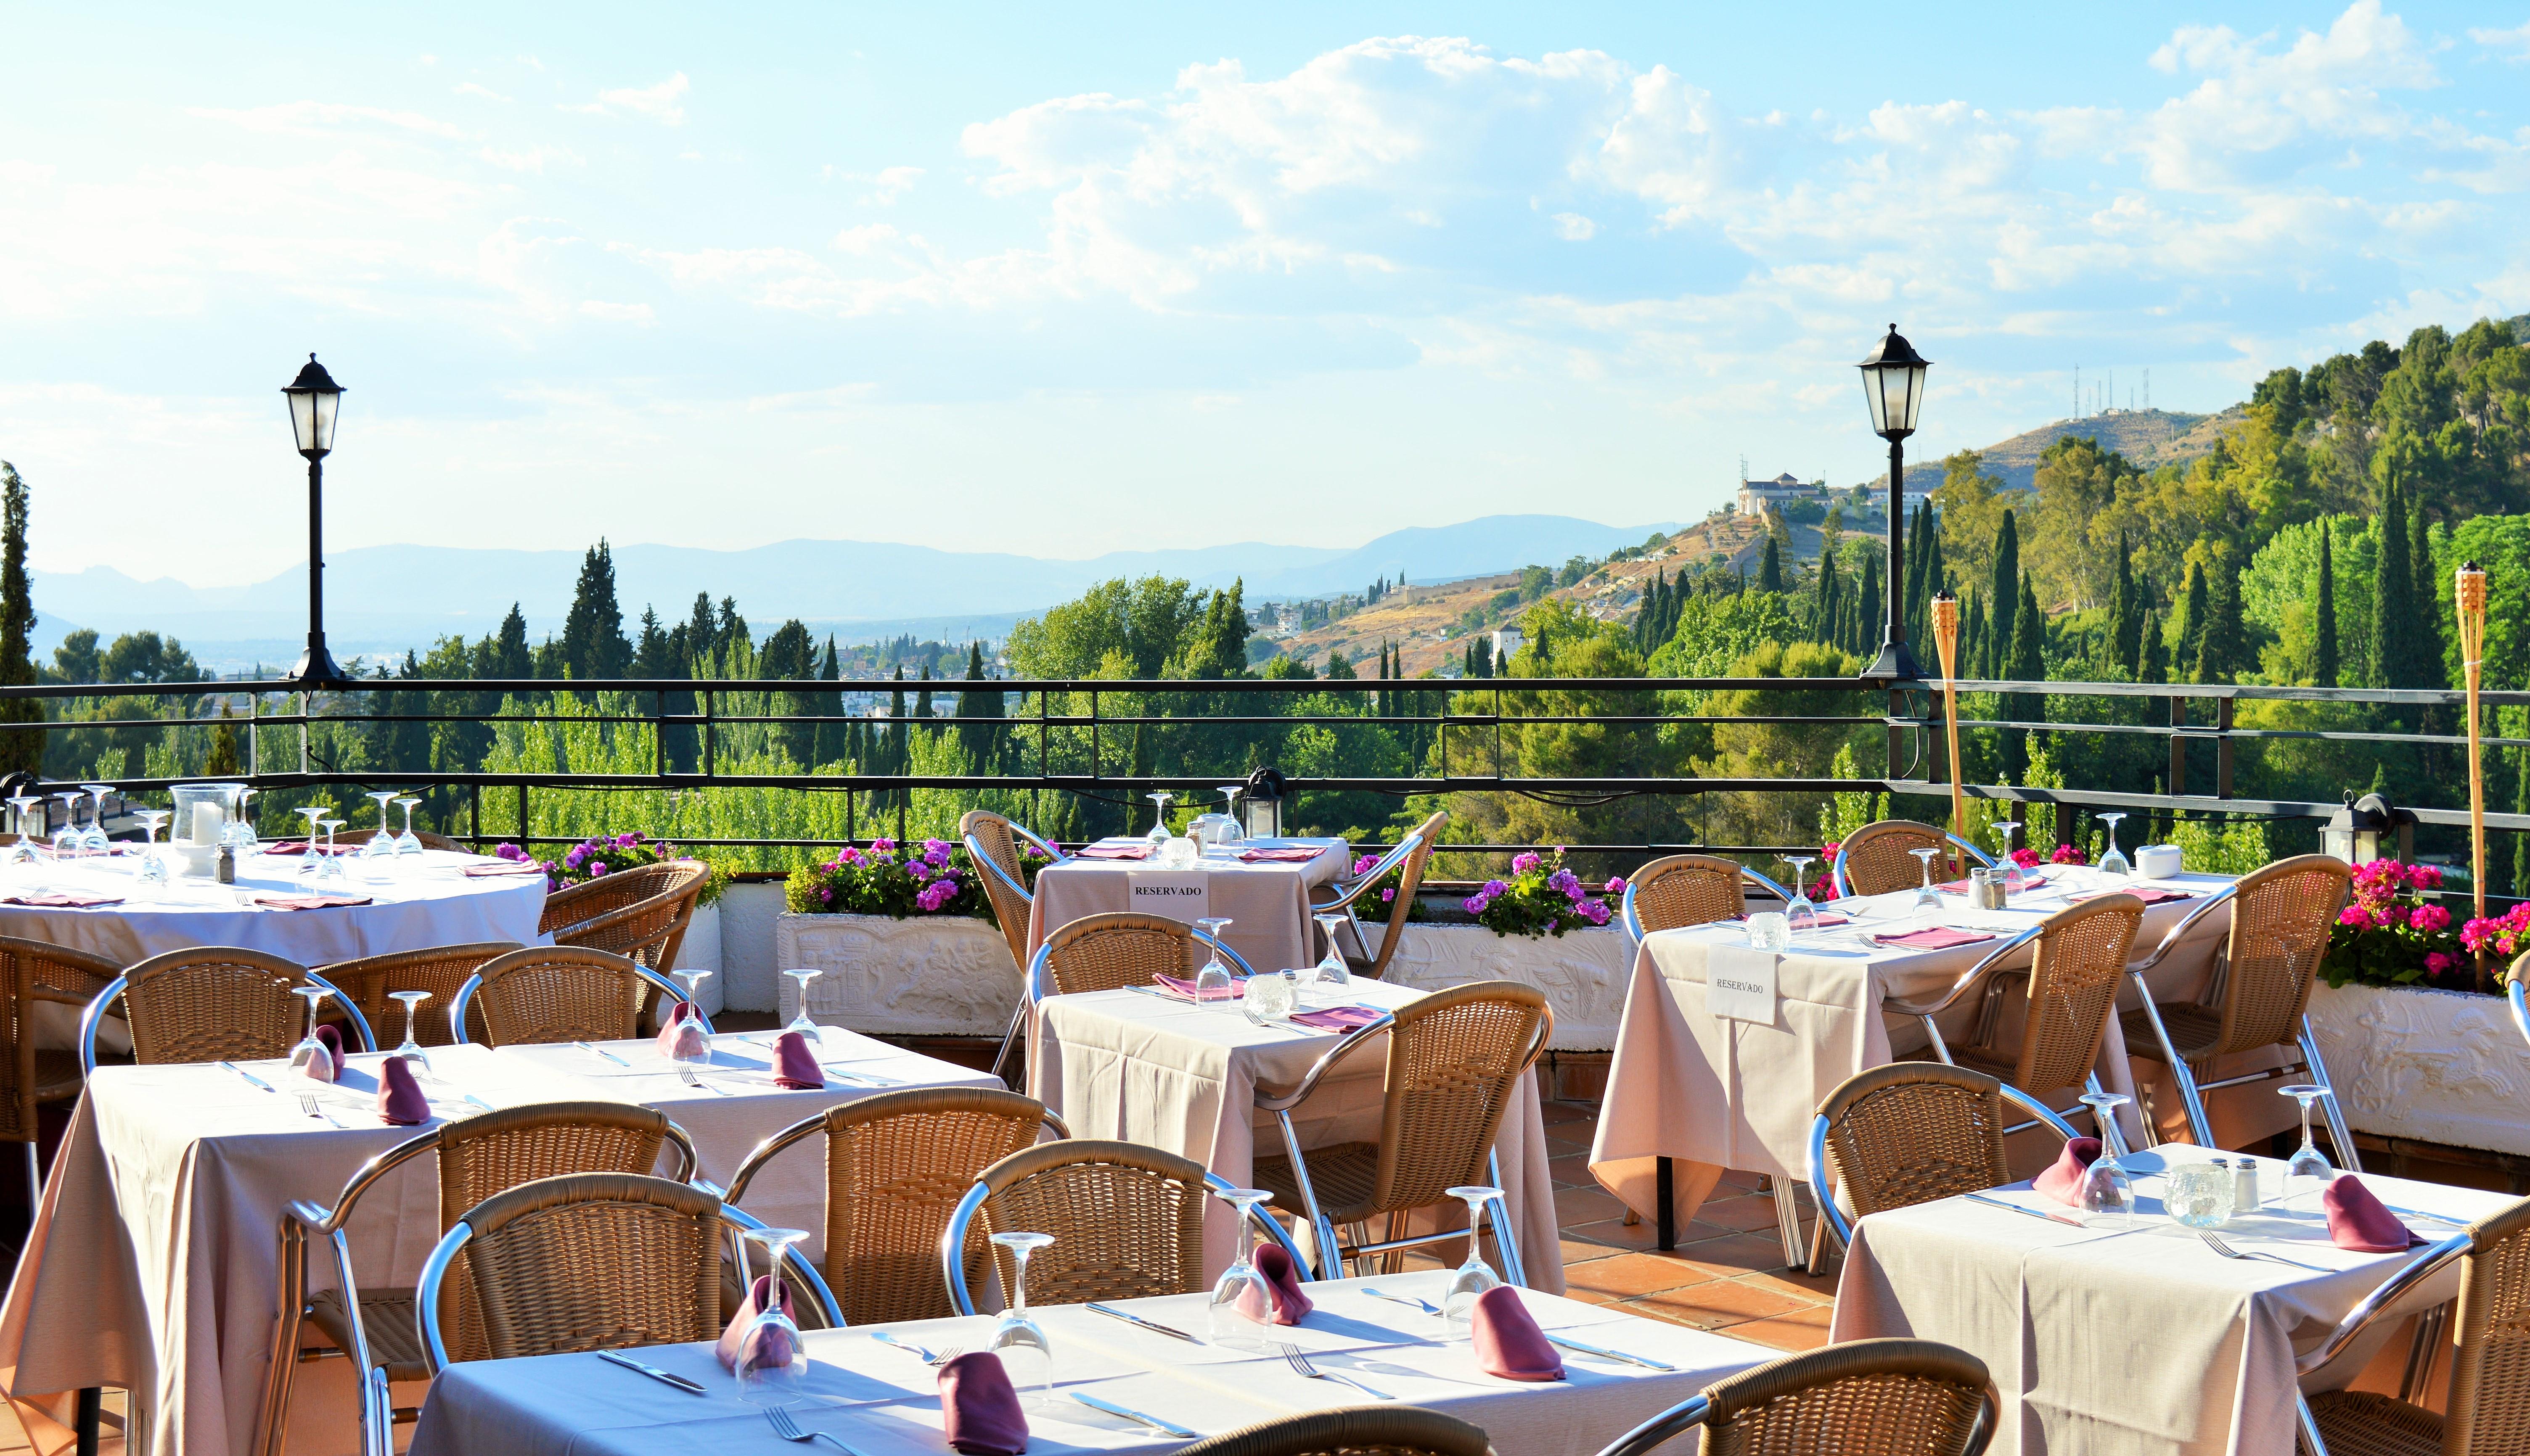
[1583, 972]
[2442, 1067]
[924, 976]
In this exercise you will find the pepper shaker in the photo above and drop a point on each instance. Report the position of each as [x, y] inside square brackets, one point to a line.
[2244, 1187]
[226, 870]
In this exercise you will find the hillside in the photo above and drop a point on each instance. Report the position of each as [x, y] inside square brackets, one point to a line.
[2147, 437]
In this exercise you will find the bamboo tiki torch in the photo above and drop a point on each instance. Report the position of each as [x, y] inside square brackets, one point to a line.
[2468, 594]
[1945, 636]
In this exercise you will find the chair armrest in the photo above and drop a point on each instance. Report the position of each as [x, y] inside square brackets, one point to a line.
[2420, 1268]
[1344, 899]
[1352, 1042]
[976, 854]
[1976, 974]
[317, 1217]
[2178, 933]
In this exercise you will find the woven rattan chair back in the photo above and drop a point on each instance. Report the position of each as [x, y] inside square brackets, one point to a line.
[1682, 889]
[1880, 857]
[1111, 951]
[213, 1003]
[1356, 1431]
[1455, 1059]
[31, 973]
[1411, 879]
[1863, 1398]
[2073, 982]
[2489, 1385]
[642, 912]
[896, 1165]
[2281, 917]
[429, 840]
[1127, 1219]
[1009, 907]
[441, 970]
[594, 1262]
[1913, 1131]
[559, 994]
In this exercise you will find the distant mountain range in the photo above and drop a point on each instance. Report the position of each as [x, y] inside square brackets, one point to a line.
[381, 599]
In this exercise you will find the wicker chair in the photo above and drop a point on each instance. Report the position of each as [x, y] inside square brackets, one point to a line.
[442, 970]
[896, 1165]
[2281, 917]
[1127, 1219]
[429, 839]
[1455, 1061]
[1107, 953]
[1350, 1430]
[641, 913]
[37, 972]
[557, 993]
[993, 843]
[1683, 889]
[1907, 1133]
[1862, 1398]
[477, 1158]
[2516, 990]
[208, 1003]
[1411, 854]
[1880, 858]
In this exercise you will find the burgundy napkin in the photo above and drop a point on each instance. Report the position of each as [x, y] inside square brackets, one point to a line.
[796, 1066]
[2150, 894]
[2356, 1220]
[1508, 1341]
[1292, 1304]
[1934, 937]
[1960, 886]
[331, 1068]
[62, 900]
[501, 867]
[1339, 1018]
[309, 901]
[1290, 854]
[1116, 851]
[979, 1411]
[2062, 1181]
[733, 1340]
[682, 1030]
[400, 1099]
[1185, 987]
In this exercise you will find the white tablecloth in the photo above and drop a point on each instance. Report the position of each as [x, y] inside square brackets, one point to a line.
[1169, 1074]
[1267, 904]
[883, 1402]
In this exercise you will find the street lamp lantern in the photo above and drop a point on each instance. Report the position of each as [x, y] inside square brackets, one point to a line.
[314, 401]
[315, 398]
[1893, 387]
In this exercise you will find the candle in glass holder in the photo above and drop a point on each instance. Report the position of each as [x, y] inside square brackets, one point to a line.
[207, 823]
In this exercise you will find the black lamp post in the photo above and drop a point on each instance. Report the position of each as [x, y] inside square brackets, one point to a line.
[1893, 384]
[314, 400]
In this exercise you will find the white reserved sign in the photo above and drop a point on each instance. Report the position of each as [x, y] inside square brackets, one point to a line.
[1179, 894]
[1740, 982]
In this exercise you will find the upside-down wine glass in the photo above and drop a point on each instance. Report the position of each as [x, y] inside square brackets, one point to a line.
[1475, 1276]
[408, 843]
[772, 1368]
[308, 861]
[381, 842]
[1230, 832]
[2307, 1160]
[1242, 1303]
[24, 852]
[95, 841]
[411, 1048]
[1159, 834]
[2014, 881]
[239, 829]
[803, 1023]
[311, 1051]
[329, 866]
[1213, 981]
[693, 997]
[2108, 1191]
[153, 870]
[1331, 968]
[1018, 1340]
[2114, 863]
[1926, 908]
[67, 840]
[1801, 913]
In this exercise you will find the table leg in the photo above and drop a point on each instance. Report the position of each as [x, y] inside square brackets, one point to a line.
[91, 1415]
[1664, 1183]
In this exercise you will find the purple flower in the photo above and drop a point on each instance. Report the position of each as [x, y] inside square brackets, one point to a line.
[882, 846]
[627, 841]
[1549, 927]
[511, 852]
[1495, 889]
[596, 867]
[1522, 863]
[918, 870]
[1475, 904]
[579, 853]
[1388, 895]
[1617, 885]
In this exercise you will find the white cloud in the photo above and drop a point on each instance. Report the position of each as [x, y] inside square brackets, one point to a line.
[662, 103]
[325, 118]
[531, 158]
[2512, 46]
[630, 313]
[1572, 227]
[478, 89]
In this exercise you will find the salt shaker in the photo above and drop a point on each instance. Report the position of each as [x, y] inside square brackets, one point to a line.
[2244, 1187]
[226, 870]
[2225, 1179]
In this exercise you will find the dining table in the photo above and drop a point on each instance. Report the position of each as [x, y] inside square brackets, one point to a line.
[2140, 1337]
[1262, 886]
[152, 1263]
[869, 1392]
[1143, 1067]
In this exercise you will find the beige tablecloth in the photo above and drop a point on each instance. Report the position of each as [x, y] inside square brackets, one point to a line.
[883, 1402]
[1120, 1064]
[1714, 1094]
[1267, 904]
[2143, 1341]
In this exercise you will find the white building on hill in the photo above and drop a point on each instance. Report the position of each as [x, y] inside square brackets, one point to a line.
[1770, 497]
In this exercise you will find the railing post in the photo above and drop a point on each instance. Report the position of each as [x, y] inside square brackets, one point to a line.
[2178, 748]
[709, 737]
[474, 813]
[1095, 760]
[523, 820]
[659, 733]
[2222, 749]
[1896, 763]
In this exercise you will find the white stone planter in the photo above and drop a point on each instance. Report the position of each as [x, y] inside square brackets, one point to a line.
[924, 976]
[2444, 1067]
[1583, 972]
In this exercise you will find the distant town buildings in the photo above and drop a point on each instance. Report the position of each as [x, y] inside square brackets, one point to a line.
[1770, 497]
[1507, 642]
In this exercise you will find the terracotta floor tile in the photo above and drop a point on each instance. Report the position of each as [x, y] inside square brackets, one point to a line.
[1630, 1274]
[1735, 1254]
[1716, 1304]
[1587, 1206]
[1555, 1113]
[1745, 1213]
[1584, 1251]
[1818, 1287]
[1571, 1170]
[1612, 1232]
[1801, 1330]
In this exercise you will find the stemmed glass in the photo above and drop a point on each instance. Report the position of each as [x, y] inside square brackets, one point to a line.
[1927, 906]
[239, 829]
[1242, 1303]
[67, 840]
[1159, 834]
[2114, 863]
[407, 842]
[2307, 1160]
[308, 864]
[1230, 832]
[1213, 982]
[153, 870]
[411, 1049]
[329, 868]
[1331, 970]
[94, 840]
[802, 1023]
[310, 1049]
[772, 1368]
[1032, 1370]
[1800, 912]
[2014, 882]
[381, 843]
[693, 997]
[24, 852]
[2108, 1191]
[1475, 1276]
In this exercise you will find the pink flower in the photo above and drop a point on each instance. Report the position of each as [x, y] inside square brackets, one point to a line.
[2426, 877]
[2429, 918]
[849, 856]
[882, 846]
[1832, 848]
[2069, 854]
[1522, 863]
[2386, 918]
[1388, 895]
[2026, 858]
[1475, 904]
[2355, 916]
[2436, 962]
[596, 867]
[1615, 885]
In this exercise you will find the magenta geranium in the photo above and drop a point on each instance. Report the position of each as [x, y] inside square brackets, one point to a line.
[1541, 897]
[582, 863]
[2388, 934]
[929, 878]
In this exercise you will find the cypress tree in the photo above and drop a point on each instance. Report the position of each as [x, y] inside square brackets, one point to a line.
[1869, 601]
[2006, 591]
[2393, 613]
[2323, 666]
[1770, 572]
[2430, 599]
[20, 748]
[1830, 585]
[2155, 658]
[1976, 638]
[2191, 627]
[510, 657]
[2028, 664]
[592, 635]
[2222, 646]
[982, 740]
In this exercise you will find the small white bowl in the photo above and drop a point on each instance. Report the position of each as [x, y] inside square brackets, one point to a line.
[2158, 861]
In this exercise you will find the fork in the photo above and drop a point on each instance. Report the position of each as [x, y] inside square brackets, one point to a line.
[925, 1355]
[2214, 1243]
[308, 1103]
[686, 1075]
[789, 1429]
[1303, 1365]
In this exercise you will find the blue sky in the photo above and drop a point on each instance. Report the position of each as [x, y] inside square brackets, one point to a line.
[1060, 279]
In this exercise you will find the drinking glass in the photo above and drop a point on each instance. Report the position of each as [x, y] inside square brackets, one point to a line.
[1159, 834]
[694, 994]
[310, 1049]
[1230, 832]
[1018, 1340]
[2307, 1160]
[153, 869]
[1927, 906]
[1802, 914]
[2107, 1192]
[1270, 997]
[1213, 981]
[1331, 969]
[1475, 1276]
[409, 1048]
[329, 868]
[94, 840]
[801, 1022]
[23, 851]
[67, 840]
[2114, 863]
[407, 842]
[2014, 881]
[1241, 1313]
[2199, 1194]
[381, 842]
[239, 829]
[1768, 929]
[308, 861]
[772, 1368]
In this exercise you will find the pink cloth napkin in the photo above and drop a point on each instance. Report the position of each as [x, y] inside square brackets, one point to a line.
[501, 867]
[1508, 1341]
[683, 1033]
[1339, 1018]
[1115, 852]
[62, 900]
[1960, 886]
[309, 901]
[1185, 987]
[331, 1068]
[1291, 1303]
[2356, 1220]
[1292, 855]
[400, 1099]
[1934, 937]
[2063, 1180]
[733, 1338]
[796, 1066]
[298, 846]
[979, 1411]
[2150, 894]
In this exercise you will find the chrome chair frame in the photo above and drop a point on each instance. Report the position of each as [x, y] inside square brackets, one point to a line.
[474, 983]
[1043, 845]
[1832, 1221]
[1033, 989]
[94, 1016]
[953, 1240]
[2518, 995]
[1835, 871]
[2423, 1264]
[2111, 1132]
[1344, 901]
[1634, 921]
[1691, 1413]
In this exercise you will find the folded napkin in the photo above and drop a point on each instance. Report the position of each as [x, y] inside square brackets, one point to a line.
[681, 1035]
[1185, 987]
[1116, 851]
[2357, 1220]
[979, 1411]
[2150, 894]
[330, 1067]
[400, 1099]
[2062, 1181]
[2028, 882]
[733, 1338]
[1508, 1341]
[300, 846]
[1288, 854]
[1339, 1018]
[62, 900]
[309, 901]
[501, 867]
[1934, 937]
[796, 1066]
[1827, 918]
[1291, 1303]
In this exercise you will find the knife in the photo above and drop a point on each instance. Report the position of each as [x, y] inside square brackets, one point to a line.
[1113, 1313]
[1979, 1197]
[653, 1372]
[249, 1076]
[1153, 1421]
[602, 1051]
[1557, 1339]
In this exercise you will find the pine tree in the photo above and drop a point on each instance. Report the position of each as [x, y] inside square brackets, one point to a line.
[698, 636]
[1337, 668]
[2393, 610]
[1770, 572]
[2005, 592]
[2323, 665]
[510, 658]
[20, 748]
[592, 635]
[2028, 665]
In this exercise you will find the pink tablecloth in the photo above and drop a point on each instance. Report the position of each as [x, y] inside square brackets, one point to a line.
[1267, 905]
